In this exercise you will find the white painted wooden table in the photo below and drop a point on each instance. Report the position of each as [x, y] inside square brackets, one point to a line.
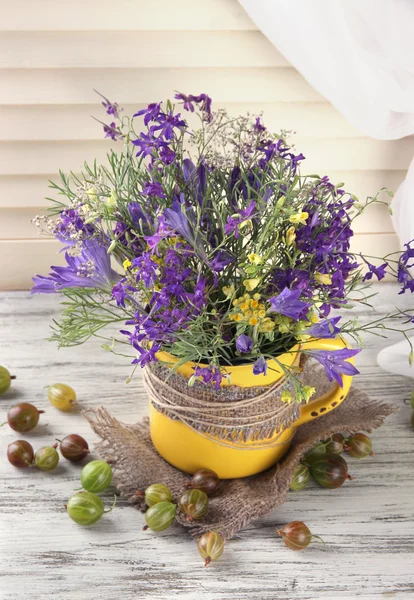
[368, 525]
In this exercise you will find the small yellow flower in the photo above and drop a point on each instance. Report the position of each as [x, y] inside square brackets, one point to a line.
[228, 290]
[244, 224]
[254, 304]
[285, 324]
[126, 264]
[323, 278]
[286, 396]
[236, 301]
[262, 313]
[253, 321]
[290, 236]
[111, 202]
[308, 392]
[248, 313]
[236, 318]
[92, 194]
[244, 306]
[255, 259]
[256, 296]
[251, 284]
[266, 326]
[299, 217]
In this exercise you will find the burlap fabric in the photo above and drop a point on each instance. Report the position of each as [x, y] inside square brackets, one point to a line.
[230, 413]
[136, 463]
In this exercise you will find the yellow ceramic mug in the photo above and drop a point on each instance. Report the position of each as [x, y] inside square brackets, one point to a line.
[189, 451]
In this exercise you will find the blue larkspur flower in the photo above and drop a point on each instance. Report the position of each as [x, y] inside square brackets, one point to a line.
[244, 343]
[335, 362]
[260, 366]
[324, 329]
[379, 272]
[91, 269]
[287, 303]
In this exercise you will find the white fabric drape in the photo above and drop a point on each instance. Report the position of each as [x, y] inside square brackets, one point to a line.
[359, 54]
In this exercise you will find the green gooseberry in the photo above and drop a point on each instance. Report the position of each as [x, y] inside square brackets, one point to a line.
[359, 445]
[301, 477]
[61, 396]
[85, 508]
[330, 471]
[46, 458]
[160, 516]
[335, 445]
[5, 379]
[96, 476]
[296, 535]
[23, 417]
[318, 451]
[194, 503]
[210, 546]
[157, 492]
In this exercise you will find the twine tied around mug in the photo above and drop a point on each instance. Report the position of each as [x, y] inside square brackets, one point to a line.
[259, 420]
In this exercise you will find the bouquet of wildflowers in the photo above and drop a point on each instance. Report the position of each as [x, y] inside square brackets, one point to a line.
[208, 243]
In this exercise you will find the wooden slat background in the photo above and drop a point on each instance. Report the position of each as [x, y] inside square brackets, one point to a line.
[52, 55]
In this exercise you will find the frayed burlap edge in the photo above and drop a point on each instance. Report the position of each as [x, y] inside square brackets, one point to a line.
[136, 464]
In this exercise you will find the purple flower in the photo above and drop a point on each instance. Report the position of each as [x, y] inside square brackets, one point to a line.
[154, 188]
[378, 271]
[258, 126]
[211, 375]
[234, 222]
[167, 155]
[71, 226]
[244, 343]
[148, 144]
[403, 274]
[119, 294]
[221, 260]
[147, 269]
[335, 362]
[151, 112]
[162, 231]
[202, 99]
[92, 269]
[167, 123]
[324, 329]
[112, 108]
[260, 366]
[287, 303]
[146, 355]
[176, 219]
[112, 132]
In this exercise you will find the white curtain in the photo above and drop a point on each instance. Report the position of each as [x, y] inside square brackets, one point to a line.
[359, 54]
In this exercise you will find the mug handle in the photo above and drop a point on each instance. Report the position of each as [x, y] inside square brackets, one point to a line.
[333, 398]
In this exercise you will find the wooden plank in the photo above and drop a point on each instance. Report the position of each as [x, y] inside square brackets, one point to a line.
[375, 245]
[48, 555]
[128, 15]
[68, 86]
[21, 259]
[147, 49]
[31, 190]
[30, 158]
[24, 191]
[15, 222]
[72, 122]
